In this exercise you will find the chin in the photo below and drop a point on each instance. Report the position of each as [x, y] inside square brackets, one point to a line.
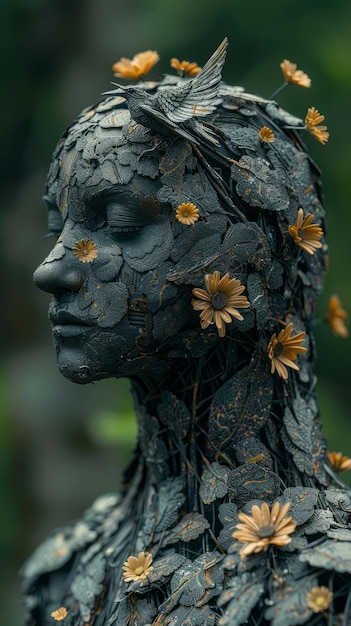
[98, 356]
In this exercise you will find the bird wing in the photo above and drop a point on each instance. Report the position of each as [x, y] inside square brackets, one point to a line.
[198, 96]
[165, 121]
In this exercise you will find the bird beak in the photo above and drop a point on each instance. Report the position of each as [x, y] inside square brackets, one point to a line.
[120, 91]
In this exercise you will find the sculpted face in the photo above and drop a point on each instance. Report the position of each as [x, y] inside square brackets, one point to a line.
[124, 267]
[111, 236]
[112, 306]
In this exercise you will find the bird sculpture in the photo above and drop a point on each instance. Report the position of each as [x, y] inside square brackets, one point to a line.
[176, 109]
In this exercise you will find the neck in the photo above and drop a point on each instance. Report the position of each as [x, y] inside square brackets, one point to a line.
[226, 407]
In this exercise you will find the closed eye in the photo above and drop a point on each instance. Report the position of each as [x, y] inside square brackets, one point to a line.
[55, 221]
[122, 219]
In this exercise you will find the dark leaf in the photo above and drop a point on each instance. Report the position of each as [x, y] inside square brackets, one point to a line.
[252, 450]
[162, 568]
[191, 526]
[188, 238]
[133, 610]
[196, 258]
[192, 580]
[306, 442]
[228, 516]
[253, 481]
[241, 406]
[319, 522]
[174, 414]
[170, 498]
[282, 117]
[108, 264]
[341, 534]
[242, 594]
[214, 482]
[259, 185]
[87, 583]
[174, 162]
[330, 555]
[289, 604]
[57, 550]
[303, 501]
[148, 166]
[242, 240]
[338, 498]
[156, 455]
[154, 244]
[244, 138]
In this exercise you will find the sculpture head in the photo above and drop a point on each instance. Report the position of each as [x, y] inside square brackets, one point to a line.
[142, 217]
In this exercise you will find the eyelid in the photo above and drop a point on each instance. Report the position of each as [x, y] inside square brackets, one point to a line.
[55, 221]
[125, 219]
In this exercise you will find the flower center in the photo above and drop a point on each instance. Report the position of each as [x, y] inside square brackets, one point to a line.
[265, 531]
[219, 300]
[139, 570]
[278, 349]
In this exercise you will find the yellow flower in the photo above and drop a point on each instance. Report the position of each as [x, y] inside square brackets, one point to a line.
[319, 599]
[335, 317]
[266, 134]
[85, 250]
[219, 301]
[294, 76]
[59, 614]
[184, 68]
[283, 350]
[266, 527]
[338, 462]
[137, 567]
[136, 67]
[312, 119]
[305, 234]
[187, 213]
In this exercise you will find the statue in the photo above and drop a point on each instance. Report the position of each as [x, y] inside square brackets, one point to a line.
[189, 258]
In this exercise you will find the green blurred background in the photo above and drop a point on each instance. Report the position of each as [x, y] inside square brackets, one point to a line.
[62, 444]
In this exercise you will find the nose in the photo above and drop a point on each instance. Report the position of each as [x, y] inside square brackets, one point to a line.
[58, 275]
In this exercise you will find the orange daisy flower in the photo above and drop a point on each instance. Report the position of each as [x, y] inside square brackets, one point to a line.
[319, 599]
[293, 76]
[264, 528]
[59, 614]
[305, 234]
[339, 462]
[283, 350]
[85, 250]
[187, 213]
[335, 317]
[137, 567]
[184, 68]
[136, 67]
[220, 302]
[266, 134]
[312, 119]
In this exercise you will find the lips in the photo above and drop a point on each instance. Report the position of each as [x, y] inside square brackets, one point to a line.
[66, 325]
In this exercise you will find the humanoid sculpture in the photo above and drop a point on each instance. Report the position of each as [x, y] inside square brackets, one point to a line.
[190, 257]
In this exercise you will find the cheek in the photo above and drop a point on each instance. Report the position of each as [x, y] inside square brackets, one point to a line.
[108, 302]
[150, 248]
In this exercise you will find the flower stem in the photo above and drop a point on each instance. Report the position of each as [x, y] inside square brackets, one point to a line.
[277, 91]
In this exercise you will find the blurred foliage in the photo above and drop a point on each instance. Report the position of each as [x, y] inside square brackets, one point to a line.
[61, 445]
